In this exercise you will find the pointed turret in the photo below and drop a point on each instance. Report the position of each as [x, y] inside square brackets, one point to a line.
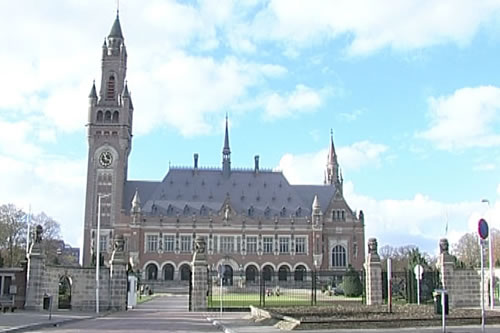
[136, 203]
[93, 92]
[332, 165]
[226, 153]
[315, 206]
[116, 29]
[125, 92]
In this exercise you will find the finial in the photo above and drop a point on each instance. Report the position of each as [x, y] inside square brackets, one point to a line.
[331, 132]
[117, 7]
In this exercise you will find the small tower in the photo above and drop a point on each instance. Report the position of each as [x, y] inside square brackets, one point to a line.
[135, 211]
[333, 175]
[226, 154]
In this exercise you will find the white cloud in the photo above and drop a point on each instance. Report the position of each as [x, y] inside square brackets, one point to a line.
[374, 24]
[419, 220]
[51, 184]
[309, 168]
[498, 190]
[464, 119]
[302, 99]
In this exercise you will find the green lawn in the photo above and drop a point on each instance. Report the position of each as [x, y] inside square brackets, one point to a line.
[239, 300]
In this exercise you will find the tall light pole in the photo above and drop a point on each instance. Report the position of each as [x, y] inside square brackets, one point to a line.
[490, 252]
[98, 249]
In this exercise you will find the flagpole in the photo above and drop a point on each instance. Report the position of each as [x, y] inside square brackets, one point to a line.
[28, 238]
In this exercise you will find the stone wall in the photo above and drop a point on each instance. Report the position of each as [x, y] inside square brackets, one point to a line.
[43, 281]
[83, 286]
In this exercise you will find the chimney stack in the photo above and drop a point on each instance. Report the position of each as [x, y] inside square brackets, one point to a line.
[256, 163]
[196, 161]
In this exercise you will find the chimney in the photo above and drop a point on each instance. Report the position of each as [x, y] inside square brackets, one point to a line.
[256, 163]
[196, 161]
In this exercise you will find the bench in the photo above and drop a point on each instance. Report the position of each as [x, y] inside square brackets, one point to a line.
[7, 302]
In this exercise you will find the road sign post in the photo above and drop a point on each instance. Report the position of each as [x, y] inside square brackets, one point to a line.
[419, 271]
[483, 231]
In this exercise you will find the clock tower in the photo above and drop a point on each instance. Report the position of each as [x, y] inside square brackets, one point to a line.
[110, 138]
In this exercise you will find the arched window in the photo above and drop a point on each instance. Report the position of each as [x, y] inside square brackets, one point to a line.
[298, 212]
[283, 273]
[268, 272]
[333, 215]
[116, 117]
[250, 211]
[99, 116]
[250, 273]
[110, 92]
[168, 272]
[185, 272]
[107, 117]
[343, 215]
[339, 256]
[267, 212]
[299, 273]
[283, 212]
[151, 272]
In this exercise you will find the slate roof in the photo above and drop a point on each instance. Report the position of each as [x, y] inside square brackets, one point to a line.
[188, 191]
[116, 29]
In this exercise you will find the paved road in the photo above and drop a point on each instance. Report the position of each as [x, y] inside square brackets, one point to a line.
[162, 314]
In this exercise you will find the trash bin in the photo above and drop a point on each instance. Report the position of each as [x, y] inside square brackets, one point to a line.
[438, 305]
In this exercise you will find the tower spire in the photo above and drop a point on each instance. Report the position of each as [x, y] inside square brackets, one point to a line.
[226, 153]
[332, 165]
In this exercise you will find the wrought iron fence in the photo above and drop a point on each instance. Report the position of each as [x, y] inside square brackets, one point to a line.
[269, 289]
[404, 286]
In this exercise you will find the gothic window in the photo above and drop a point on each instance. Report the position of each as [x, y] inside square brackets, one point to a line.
[203, 211]
[339, 258]
[168, 272]
[250, 211]
[333, 215]
[267, 212]
[338, 214]
[107, 117]
[116, 117]
[99, 116]
[343, 215]
[170, 210]
[283, 212]
[110, 92]
[298, 212]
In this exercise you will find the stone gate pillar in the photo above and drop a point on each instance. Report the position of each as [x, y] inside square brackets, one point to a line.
[36, 274]
[118, 276]
[373, 268]
[199, 277]
[446, 268]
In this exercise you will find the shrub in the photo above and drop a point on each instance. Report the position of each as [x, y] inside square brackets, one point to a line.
[352, 284]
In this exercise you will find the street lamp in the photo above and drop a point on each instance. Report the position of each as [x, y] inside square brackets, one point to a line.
[98, 249]
[490, 250]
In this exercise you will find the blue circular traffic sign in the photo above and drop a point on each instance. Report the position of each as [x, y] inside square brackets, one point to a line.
[483, 229]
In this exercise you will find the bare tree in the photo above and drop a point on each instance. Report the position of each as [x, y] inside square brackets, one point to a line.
[467, 250]
[12, 234]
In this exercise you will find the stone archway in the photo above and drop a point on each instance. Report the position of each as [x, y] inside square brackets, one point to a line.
[227, 278]
[64, 295]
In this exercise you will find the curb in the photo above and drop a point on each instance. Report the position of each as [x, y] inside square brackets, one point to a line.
[220, 326]
[30, 327]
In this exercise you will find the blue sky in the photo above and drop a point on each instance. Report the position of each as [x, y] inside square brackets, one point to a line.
[410, 88]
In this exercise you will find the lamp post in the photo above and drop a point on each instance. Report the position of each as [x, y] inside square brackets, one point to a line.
[98, 249]
[490, 255]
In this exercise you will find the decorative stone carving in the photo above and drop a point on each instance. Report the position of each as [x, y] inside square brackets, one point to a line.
[38, 234]
[372, 246]
[200, 246]
[443, 246]
[119, 244]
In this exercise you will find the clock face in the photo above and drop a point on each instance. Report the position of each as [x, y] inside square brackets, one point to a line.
[106, 158]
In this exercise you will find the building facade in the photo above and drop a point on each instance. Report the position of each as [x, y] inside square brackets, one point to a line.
[252, 219]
